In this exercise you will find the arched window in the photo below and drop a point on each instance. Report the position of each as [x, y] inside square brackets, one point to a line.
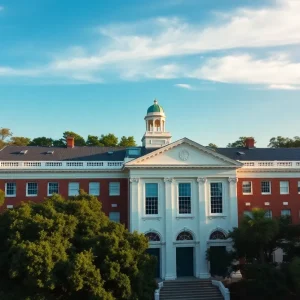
[152, 237]
[217, 235]
[185, 236]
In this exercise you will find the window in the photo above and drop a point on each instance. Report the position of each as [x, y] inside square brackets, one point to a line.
[152, 237]
[94, 188]
[10, 189]
[32, 189]
[298, 187]
[216, 198]
[266, 187]
[184, 199]
[73, 188]
[248, 213]
[52, 188]
[185, 236]
[114, 216]
[114, 189]
[284, 187]
[285, 212]
[217, 235]
[247, 187]
[268, 214]
[151, 198]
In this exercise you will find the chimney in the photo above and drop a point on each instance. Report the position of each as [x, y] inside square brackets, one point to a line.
[70, 142]
[249, 143]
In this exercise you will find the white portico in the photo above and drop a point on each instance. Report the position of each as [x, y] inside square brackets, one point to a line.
[183, 197]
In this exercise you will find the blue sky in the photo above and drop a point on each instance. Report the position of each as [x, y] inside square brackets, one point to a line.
[221, 69]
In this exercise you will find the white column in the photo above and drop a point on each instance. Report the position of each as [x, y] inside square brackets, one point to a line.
[201, 262]
[134, 205]
[170, 249]
[233, 205]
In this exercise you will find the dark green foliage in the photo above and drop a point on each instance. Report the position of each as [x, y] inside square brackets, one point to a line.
[109, 140]
[78, 139]
[93, 140]
[240, 143]
[68, 249]
[41, 141]
[2, 197]
[283, 142]
[127, 141]
[19, 141]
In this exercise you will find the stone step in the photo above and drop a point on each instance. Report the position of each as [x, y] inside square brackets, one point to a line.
[195, 297]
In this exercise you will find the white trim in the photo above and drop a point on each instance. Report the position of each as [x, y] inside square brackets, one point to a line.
[247, 194]
[224, 195]
[288, 187]
[73, 189]
[180, 215]
[48, 194]
[118, 193]
[98, 188]
[159, 201]
[270, 187]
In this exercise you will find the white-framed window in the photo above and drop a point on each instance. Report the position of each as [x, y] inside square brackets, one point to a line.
[31, 189]
[151, 203]
[114, 216]
[284, 187]
[73, 188]
[216, 198]
[114, 189]
[266, 187]
[247, 187]
[184, 198]
[94, 188]
[52, 188]
[298, 187]
[10, 189]
[268, 213]
[285, 212]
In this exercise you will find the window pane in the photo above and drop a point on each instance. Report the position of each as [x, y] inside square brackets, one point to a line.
[299, 187]
[114, 216]
[32, 188]
[265, 187]
[73, 188]
[247, 187]
[151, 198]
[94, 188]
[216, 198]
[52, 188]
[268, 214]
[114, 188]
[286, 212]
[10, 189]
[284, 187]
[184, 201]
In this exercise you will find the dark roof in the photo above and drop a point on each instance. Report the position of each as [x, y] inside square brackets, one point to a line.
[262, 154]
[36, 153]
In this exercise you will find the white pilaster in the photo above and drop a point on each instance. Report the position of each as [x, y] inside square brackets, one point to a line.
[170, 255]
[134, 204]
[201, 262]
[233, 205]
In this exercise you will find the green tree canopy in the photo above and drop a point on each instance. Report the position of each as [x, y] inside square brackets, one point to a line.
[93, 140]
[19, 141]
[109, 140]
[5, 133]
[78, 139]
[41, 141]
[127, 141]
[212, 145]
[241, 142]
[284, 142]
[70, 250]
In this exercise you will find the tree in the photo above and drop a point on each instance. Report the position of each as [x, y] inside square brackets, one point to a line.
[240, 143]
[284, 142]
[109, 140]
[19, 141]
[252, 237]
[93, 140]
[5, 133]
[212, 145]
[41, 141]
[127, 141]
[59, 143]
[2, 198]
[78, 139]
[70, 250]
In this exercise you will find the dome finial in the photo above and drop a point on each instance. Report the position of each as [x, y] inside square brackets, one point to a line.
[155, 101]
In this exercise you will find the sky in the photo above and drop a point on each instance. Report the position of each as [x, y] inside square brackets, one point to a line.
[220, 68]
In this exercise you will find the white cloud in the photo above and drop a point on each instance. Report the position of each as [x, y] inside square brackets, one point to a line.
[283, 87]
[184, 86]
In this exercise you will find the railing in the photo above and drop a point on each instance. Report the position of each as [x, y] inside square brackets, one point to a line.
[157, 292]
[61, 165]
[271, 164]
[225, 292]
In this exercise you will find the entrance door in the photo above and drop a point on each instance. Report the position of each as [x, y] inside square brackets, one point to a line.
[218, 261]
[156, 253]
[185, 261]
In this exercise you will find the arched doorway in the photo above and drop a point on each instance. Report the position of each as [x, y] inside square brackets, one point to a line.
[218, 253]
[155, 250]
[185, 254]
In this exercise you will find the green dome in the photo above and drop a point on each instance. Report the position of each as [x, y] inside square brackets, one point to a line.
[155, 108]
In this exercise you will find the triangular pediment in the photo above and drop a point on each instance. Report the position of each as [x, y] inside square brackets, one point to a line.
[184, 153]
